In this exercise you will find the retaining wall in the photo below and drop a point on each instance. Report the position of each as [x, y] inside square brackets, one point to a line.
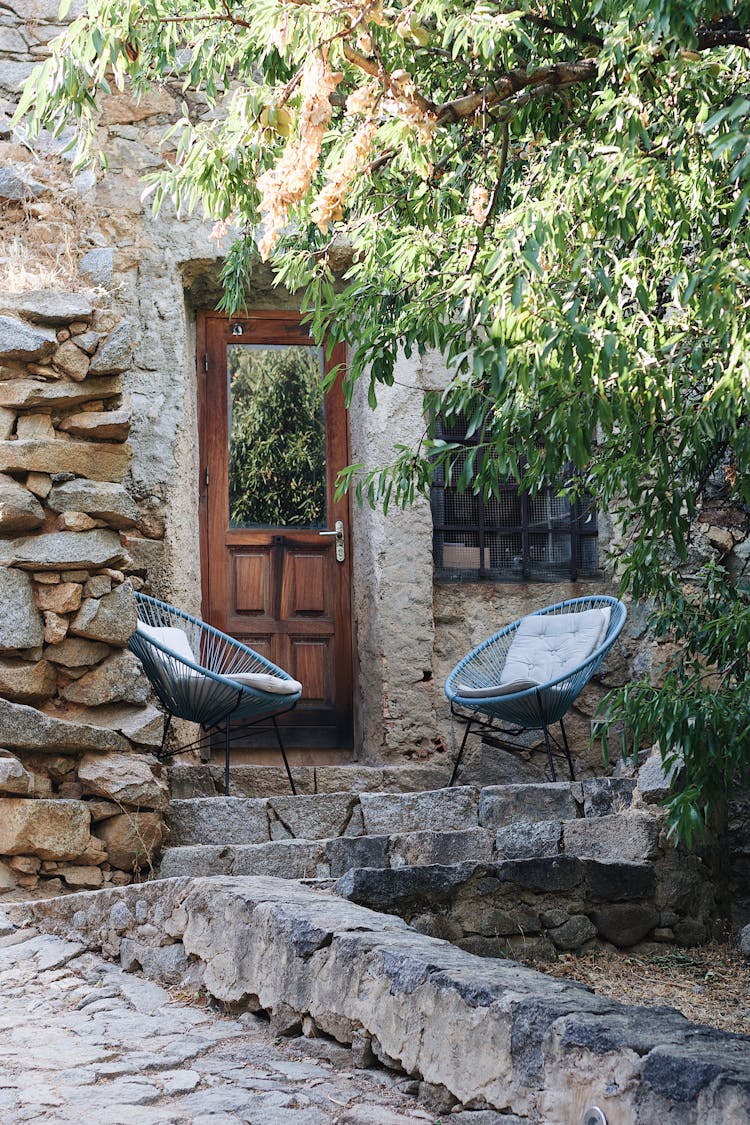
[492, 1032]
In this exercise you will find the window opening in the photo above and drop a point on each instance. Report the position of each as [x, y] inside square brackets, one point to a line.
[511, 536]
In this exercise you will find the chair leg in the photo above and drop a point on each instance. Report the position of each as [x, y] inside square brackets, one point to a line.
[227, 736]
[164, 734]
[283, 754]
[460, 753]
[567, 751]
[549, 754]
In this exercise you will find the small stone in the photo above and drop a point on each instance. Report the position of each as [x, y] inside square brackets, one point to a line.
[7, 423]
[63, 550]
[573, 933]
[55, 628]
[65, 597]
[26, 864]
[111, 618]
[101, 500]
[75, 521]
[82, 876]
[72, 360]
[20, 622]
[625, 923]
[127, 779]
[101, 809]
[654, 782]
[17, 185]
[49, 829]
[13, 777]
[115, 352]
[35, 427]
[87, 341]
[27, 682]
[721, 539]
[132, 839]
[97, 586]
[119, 679]
[102, 461]
[40, 484]
[19, 509]
[75, 652]
[107, 425]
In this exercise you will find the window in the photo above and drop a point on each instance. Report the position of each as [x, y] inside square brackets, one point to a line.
[511, 536]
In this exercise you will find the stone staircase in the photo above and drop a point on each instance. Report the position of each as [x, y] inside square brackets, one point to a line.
[548, 865]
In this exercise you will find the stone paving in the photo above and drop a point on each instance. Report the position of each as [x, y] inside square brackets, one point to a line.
[84, 1041]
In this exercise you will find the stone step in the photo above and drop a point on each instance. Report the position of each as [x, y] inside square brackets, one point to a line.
[460, 886]
[629, 839]
[247, 820]
[223, 820]
[207, 779]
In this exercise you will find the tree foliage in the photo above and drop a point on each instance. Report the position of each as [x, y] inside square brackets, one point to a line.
[276, 438]
[554, 196]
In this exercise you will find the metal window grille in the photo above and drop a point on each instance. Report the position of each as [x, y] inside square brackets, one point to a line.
[512, 536]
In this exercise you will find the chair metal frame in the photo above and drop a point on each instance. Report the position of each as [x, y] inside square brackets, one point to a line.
[204, 691]
[535, 708]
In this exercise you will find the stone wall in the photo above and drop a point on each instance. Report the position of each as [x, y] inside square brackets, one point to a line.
[494, 1033]
[81, 794]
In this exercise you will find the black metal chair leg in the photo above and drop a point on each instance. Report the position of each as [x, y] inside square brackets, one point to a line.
[460, 753]
[567, 751]
[549, 754]
[283, 754]
[226, 751]
[167, 725]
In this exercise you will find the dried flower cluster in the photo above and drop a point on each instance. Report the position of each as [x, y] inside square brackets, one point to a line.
[330, 202]
[478, 202]
[284, 185]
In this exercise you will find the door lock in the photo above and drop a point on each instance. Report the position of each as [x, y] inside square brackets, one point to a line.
[338, 532]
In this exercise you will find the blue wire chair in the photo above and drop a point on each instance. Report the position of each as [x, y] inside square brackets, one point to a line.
[204, 690]
[536, 707]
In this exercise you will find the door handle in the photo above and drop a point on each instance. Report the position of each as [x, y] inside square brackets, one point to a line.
[338, 533]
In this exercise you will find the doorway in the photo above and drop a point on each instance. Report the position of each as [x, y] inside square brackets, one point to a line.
[275, 543]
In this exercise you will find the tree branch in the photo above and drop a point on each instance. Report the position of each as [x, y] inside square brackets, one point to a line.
[556, 76]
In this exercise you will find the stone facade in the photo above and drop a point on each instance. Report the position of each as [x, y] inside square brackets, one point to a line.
[70, 358]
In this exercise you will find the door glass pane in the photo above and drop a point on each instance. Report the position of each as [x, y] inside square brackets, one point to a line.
[277, 448]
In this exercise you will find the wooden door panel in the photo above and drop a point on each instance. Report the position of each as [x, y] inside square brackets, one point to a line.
[306, 585]
[252, 582]
[276, 586]
[311, 661]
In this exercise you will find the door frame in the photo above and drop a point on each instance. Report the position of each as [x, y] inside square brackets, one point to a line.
[337, 453]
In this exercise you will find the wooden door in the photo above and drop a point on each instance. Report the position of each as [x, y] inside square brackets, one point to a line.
[273, 575]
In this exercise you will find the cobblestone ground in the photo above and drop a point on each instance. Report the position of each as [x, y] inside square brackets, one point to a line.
[83, 1041]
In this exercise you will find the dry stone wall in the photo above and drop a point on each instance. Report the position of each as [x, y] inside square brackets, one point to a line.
[81, 793]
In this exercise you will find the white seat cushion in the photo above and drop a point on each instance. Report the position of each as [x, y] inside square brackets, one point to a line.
[262, 681]
[166, 635]
[547, 646]
[495, 691]
[177, 640]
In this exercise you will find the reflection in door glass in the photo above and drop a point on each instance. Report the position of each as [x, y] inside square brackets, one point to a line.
[277, 450]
